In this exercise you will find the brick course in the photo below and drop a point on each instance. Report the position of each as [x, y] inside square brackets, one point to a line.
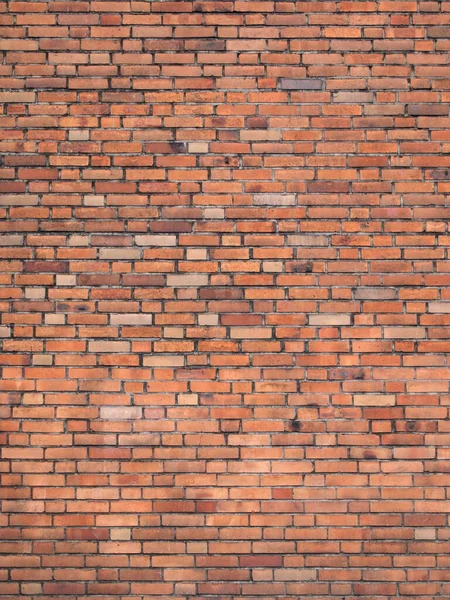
[224, 299]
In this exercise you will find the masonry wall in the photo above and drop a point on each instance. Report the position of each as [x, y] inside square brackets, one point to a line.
[225, 299]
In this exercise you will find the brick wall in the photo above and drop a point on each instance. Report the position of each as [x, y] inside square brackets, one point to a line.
[225, 298]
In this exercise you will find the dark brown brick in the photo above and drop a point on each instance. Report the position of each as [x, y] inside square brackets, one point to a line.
[439, 32]
[427, 109]
[42, 266]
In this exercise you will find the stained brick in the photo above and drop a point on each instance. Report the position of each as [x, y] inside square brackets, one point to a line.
[439, 32]
[428, 109]
[301, 84]
[439, 307]
[308, 240]
[17, 97]
[274, 199]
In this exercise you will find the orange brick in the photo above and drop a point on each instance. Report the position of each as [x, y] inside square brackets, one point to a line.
[224, 299]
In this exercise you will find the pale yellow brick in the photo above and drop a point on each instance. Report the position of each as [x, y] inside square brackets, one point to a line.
[120, 253]
[79, 240]
[308, 240]
[35, 293]
[198, 147]
[66, 280]
[131, 319]
[17, 97]
[156, 240]
[11, 240]
[42, 360]
[196, 254]
[374, 399]
[107, 346]
[249, 135]
[271, 266]
[295, 574]
[425, 533]
[173, 332]
[120, 413]
[209, 319]
[33, 398]
[94, 201]
[55, 319]
[164, 361]
[79, 135]
[251, 332]
[120, 533]
[439, 307]
[404, 332]
[274, 199]
[188, 399]
[18, 200]
[214, 213]
[327, 320]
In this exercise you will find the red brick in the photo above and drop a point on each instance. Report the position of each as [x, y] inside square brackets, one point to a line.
[224, 299]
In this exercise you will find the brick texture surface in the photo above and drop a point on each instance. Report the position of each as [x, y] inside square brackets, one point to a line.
[225, 299]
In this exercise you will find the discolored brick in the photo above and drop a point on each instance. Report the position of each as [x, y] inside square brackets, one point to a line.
[301, 84]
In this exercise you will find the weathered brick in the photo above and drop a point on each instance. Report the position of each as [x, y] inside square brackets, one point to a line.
[374, 400]
[120, 413]
[187, 280]
[156, 240]
[404, 332]
[439, 307]
[18, 200]
[17, 97]
[274, 199]
[301, 84]
[439, 32]
[109, 347]
[308, 240]
[329, 320]
[11, 240]
[380, 293]
[428, 109]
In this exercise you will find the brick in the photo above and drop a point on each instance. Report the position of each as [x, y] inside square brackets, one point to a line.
[427, 109]
[375, 293]
[250, 332]
[18, 200]
[131, 319]
[374, 400]
[353, 97]
[274, 199]
[120, 413]
[329, 320]
[404, 332]
[308, 240]
[198, 148]
[224, 299]
[440, 174]
[439, 32]
[439, 307]
[301, 84]
[18, 97]
[156, 240]
[187, 280]
[109, 347]
[11, 240]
